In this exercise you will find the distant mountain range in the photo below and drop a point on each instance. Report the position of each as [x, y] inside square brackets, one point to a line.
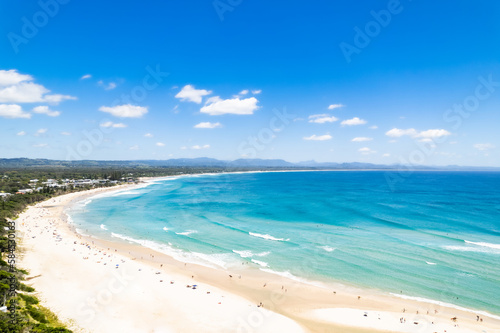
[203, 162]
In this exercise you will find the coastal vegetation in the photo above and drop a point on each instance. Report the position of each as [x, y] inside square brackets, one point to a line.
[20, 309]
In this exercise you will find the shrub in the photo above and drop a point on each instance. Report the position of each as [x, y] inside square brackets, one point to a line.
[30, 300]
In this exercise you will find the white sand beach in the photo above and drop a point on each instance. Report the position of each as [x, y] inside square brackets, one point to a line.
[100, 286]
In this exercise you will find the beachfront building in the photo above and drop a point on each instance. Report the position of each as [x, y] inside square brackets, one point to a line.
[85, 182]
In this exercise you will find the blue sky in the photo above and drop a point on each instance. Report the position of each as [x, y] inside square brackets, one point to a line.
[414, 82]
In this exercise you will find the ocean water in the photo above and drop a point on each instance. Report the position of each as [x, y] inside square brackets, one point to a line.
[432, 235]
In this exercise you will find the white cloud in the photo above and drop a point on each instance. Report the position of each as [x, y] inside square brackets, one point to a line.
[11, 77]
[397, 133]
[12, 111]
[335, 106]
[109, 86]
[196, 147]
[426, 136]
[134, 147]
[148, 135]
[19, 88]
[208, 125]
[386, 155]
[322, 118]
[57, 98]
[29, 92]
[361, 139]
[366, 151]
[190, 93]
[65, 133]
[216, 106]
[40, 145]
[41, 131]
[244, 92]
[353, 121]
[45, 110]
[433, 133]
[374, 127]
[125, 111]
[85, 77]
[484, 146]
[110, 124]
[21, 133]
[160, 144]
[315, 137]
[256, 92]
[23, 92]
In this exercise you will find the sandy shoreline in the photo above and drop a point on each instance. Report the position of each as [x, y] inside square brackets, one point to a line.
[79, 280]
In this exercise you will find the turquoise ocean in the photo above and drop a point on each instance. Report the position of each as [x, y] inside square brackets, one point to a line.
[422, 235]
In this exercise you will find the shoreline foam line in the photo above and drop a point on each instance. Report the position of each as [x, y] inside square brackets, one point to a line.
[448, 305]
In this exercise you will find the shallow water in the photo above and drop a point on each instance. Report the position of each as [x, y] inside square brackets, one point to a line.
[434, 235]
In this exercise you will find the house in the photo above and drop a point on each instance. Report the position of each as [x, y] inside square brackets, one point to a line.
[4, 195]
[83, 182]
[24, 191]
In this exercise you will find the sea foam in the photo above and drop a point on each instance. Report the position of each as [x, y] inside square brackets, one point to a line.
[483, 244]
[250, 254]
[444, 304]
[268, 237]
[187, 232]
[244, 253]
[327, 248]
[260, 263]
[288, 275]
[126, 193]
[481, 249]
[217, 260]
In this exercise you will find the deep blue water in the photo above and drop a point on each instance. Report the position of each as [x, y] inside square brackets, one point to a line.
[432, 234]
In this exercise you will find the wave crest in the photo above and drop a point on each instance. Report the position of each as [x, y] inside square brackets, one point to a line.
[327, 248]
[187, 232]
[483, 244]
[250, 254]
[260, 263]
[268, 237]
